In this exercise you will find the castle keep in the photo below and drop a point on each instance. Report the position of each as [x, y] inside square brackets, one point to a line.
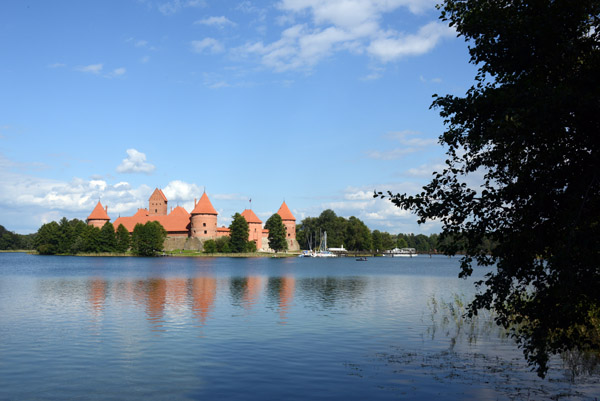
[190, 230]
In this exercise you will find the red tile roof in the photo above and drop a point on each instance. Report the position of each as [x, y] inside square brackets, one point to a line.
[177, 221]
[285, 213]
[250, 216]
[223, 229]
[160, 193]
[99, 213]
[204, 206]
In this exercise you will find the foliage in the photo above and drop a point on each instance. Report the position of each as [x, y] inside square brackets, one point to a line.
[250, 247]
[13, 241]
[147, 239]
[123, 239]
[239, 234]
[48, 238]
[277, 233]
[222, 244]
[210, 246]
[108, 239]
[358, 235]
[529, 126]
[402, 242]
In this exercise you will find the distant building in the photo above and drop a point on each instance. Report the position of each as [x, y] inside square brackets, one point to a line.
[191, 230]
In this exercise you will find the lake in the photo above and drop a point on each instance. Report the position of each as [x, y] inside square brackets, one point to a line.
[254, 329]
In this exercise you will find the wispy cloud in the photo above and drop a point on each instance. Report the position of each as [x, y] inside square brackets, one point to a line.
[210, 45]
[174, 6]
[91, 69]
[410, 142]
[349, 26]
[135, 162]
[117, 72]
[57, 65]
[391, 46]
[219, 22]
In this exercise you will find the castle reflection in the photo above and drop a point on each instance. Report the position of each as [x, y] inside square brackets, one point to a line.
[198, 297]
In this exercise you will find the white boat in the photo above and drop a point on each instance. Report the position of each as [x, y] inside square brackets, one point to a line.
[401, 253]
[323, 252]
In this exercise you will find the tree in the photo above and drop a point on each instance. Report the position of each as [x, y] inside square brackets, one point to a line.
[210, 246]
[358, 235]
[277, 233]
[108, 239]
[10, 240]
[402, 243]
[123, 239]
[250, 247]
[222, 244]
[90, 240]
[377, 240]
[239, 234]
[47, 239]
[529, 126]
[147, 239]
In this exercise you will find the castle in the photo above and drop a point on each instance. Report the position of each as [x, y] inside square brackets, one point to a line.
[190, 230]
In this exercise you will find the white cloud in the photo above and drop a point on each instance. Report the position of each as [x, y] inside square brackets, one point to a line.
[135, 162]
[207, 44]
[410, 141]
[391, 45]
[182, 191]
[425, 170]
[219, 22]
[92, 68]
[343, 25]
[174, 6]
[57, 65]
[27, 201]
[117, 72]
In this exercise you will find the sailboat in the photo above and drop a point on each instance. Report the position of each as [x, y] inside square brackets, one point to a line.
[323, 252]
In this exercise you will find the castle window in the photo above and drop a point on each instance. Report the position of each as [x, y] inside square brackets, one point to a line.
[204, 224]
[289, 235]
[155, 210]
[204, 231]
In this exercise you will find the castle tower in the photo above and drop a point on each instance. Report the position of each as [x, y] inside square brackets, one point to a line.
[98, 217]
[289, 221]
[204, 219]
[157, 204]
[254, 227]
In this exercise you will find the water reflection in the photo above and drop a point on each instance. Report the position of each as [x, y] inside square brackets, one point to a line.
[327, 291]
[199, 296]
[97, 295]
[204, 290]
[280, 292]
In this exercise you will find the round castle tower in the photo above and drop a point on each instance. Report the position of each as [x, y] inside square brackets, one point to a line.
[204, 219]
[99, 216]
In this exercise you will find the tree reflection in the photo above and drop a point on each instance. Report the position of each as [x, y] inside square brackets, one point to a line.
[280, 292]
[326, 291]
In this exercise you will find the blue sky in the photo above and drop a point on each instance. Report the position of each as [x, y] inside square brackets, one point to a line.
[315, 102]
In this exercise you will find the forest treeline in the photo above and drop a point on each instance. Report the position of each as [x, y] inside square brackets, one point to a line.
[354, 235]
[70, 237]
[10, 241]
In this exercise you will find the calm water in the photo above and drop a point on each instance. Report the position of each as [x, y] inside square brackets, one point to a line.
[170, 328]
